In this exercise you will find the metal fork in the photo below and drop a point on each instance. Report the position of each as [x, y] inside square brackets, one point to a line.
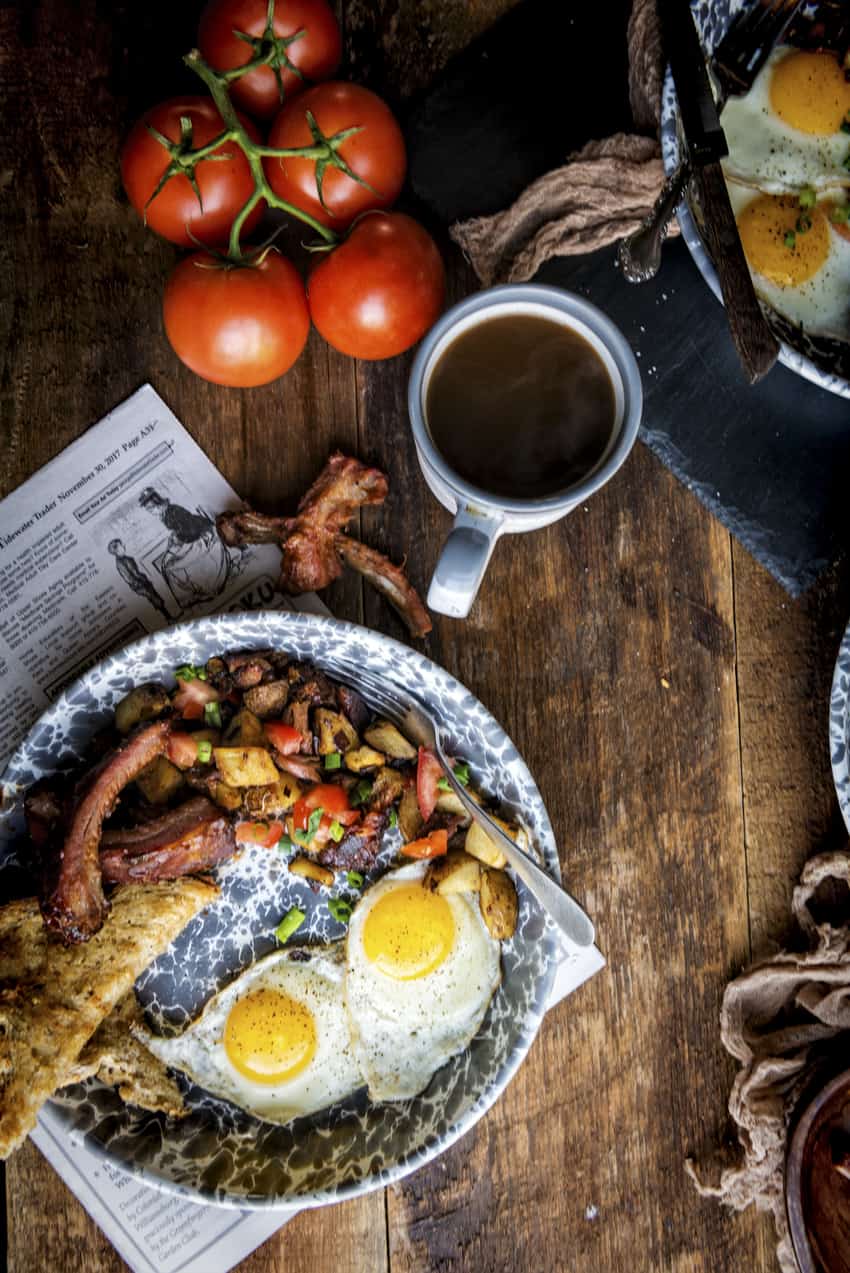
[749, 41]
[416, 723]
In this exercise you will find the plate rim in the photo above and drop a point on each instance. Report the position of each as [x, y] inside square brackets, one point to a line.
[433, 1147]
[839, 712]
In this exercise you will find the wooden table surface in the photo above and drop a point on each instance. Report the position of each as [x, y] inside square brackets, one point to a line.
[669, 698]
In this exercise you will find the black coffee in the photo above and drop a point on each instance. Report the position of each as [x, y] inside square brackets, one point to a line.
[521, 406]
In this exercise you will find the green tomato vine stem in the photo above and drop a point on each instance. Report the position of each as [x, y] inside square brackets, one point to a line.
[254, 153]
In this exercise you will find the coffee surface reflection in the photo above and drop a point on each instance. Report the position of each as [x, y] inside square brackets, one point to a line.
[521, 406]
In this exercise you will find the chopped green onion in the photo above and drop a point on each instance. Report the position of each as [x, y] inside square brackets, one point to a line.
[212, 715]
[808, 197]
[205, 751]
[313, 822]
[337, 831]
[340, 909]
[291, 922]
[461, 772]
[790, 239]
[354, 878]
[393, 818]
[361, 793]
[444, 784]
[302, 838]
[285, 844]
[839, 213]
[333, 761]
[185, 673]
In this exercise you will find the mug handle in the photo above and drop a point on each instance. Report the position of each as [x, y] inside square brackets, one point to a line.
[461, 566]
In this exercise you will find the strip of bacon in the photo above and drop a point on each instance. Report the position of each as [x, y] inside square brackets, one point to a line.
[389, 580]
[73, 904]
[201, 847]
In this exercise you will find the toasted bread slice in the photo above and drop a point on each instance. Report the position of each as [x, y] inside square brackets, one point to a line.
[119, 1060]
[54, 997]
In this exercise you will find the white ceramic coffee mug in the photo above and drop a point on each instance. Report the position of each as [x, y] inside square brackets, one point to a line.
[481, 517]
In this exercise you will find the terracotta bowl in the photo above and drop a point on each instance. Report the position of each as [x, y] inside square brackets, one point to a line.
[817, 1179]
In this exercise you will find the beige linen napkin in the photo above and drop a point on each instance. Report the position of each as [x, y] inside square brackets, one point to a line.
[600, 195]
[785, 1020]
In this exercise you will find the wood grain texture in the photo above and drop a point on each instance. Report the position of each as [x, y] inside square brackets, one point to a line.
[667, 696]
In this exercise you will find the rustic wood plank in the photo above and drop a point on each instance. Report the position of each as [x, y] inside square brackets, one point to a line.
[580, 1164]
[786, 653]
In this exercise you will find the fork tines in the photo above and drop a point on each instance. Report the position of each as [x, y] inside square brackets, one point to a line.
[750, 39]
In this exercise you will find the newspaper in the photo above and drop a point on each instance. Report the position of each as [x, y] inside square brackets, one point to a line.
[113, 539]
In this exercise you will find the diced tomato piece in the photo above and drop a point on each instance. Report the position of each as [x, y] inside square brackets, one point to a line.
[286, 738]
[182, 750]
[192, 697]
[429, 771]
[333, 800]
[434, 845]
[265, 833]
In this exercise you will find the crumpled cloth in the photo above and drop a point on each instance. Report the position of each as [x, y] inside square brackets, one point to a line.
[601, 194]
[780, 1019]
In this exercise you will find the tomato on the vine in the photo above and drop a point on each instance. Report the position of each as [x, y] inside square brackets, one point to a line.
[375, 153]
[378, 292]
[309, 37]
[224, 185]
[240, 325]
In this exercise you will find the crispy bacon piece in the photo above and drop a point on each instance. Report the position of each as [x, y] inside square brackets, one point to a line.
[312, 545]
[389, 580]
[183, 841]
[72, 903]
[358, 849]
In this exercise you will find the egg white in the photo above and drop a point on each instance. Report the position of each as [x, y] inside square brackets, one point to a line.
[331, 1074]
[769, 154]
[820, 305]
[403, 1031]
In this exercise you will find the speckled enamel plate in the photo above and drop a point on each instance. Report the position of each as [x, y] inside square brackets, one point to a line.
[839, 726]
[825, 362]
[219, 1153]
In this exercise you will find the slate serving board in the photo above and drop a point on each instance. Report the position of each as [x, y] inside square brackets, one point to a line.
[771, 462]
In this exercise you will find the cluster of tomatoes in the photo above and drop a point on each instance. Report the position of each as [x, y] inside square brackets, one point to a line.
[241, 316]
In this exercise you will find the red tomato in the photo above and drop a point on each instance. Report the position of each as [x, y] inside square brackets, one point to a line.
[182, 749]
[378, 293]
[376, 154]
[434, 845]
[236, 325]
[333, 800]
[429, 771]
[265, 833]
[315, 50]
[192, 697]
[286, 738]
[225, 185]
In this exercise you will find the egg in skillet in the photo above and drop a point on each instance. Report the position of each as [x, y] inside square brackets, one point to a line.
[422, 969]
[792, 128]
[799, 258]
[275, 1041]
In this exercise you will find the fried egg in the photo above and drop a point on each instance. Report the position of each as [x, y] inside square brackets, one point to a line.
[803, 276]
[422, 970]
[786, 132]
[275, 1041]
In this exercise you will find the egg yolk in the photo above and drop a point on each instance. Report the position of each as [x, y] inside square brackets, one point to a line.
[408, 932]
[269, 1036]
[773, 245]
[809, 92]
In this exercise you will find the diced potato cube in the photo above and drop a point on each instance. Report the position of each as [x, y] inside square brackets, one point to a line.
[409, 818]
[336, 733]
[245, 730]
[386, 738]
[481, 846]
[449, 802]
[499, 903]
[229, 798]
[457, 872]
[143, 703]
[245, 766]
[278, 797]
[362, 758]
[159, 780]
[311, 870]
